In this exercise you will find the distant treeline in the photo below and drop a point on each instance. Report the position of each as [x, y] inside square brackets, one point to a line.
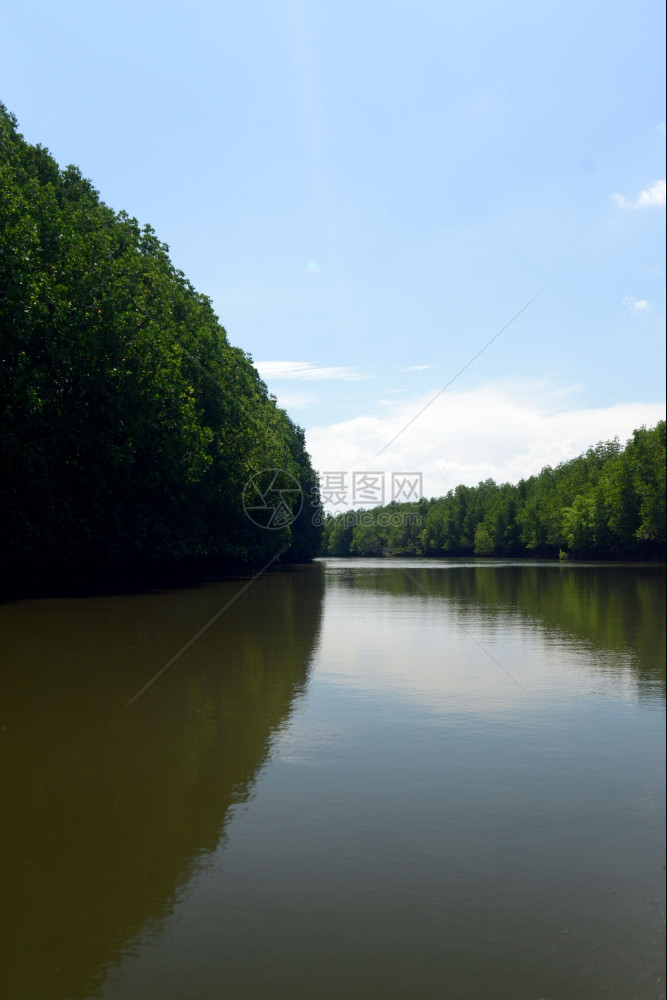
[128, 423]
[606, 504]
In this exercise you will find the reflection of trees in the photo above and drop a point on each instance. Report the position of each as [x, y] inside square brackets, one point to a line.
[106, 809]
[614, 608]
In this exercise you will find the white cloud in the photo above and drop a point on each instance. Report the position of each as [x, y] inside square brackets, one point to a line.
[306, 370]
[652, 197]
[655, 195]
[635, 305]
[505, 431]
[417, 368]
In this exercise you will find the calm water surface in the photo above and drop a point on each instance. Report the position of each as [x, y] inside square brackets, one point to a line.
[367, 779]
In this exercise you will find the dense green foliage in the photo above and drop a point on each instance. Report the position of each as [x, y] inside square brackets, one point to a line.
[129, 425]
[606, 504]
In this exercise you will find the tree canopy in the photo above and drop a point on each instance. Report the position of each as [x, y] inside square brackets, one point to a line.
[608, 503]
[129, 423]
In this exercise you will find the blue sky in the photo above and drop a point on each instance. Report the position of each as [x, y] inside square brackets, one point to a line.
[369, 191]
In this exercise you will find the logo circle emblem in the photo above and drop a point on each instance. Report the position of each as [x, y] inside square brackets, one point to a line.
[272, 499]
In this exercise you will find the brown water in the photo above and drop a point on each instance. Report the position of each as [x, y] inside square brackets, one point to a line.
[366, 779]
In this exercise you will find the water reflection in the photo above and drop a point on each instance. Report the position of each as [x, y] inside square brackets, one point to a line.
[106, 811]
[423, 827]
[609, 609]
[413, 822]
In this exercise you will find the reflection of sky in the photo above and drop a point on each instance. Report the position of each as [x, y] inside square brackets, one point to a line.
[417, 795]
[452, 658]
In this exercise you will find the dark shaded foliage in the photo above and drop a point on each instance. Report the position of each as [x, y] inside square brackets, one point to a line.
[129, 424]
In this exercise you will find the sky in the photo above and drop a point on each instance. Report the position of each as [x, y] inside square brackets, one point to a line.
[370, 192]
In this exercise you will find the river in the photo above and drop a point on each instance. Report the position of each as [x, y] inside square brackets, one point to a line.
[363, 779]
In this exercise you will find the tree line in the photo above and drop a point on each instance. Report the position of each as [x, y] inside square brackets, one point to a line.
[608, 503]
[129, 425]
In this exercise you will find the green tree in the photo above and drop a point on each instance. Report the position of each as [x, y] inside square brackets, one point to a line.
[129, 423]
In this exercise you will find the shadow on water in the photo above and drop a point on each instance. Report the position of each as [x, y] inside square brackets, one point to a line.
[117, 581]
[611, 608]
[107, 810]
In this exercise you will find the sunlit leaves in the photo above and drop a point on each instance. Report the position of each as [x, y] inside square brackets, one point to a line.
[606, 504]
